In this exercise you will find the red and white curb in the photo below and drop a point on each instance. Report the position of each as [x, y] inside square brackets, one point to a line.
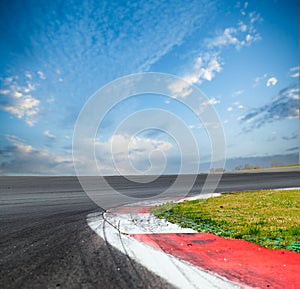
[188, 259]
[118, 226]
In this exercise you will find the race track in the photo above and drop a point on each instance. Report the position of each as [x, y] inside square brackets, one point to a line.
[45, 241]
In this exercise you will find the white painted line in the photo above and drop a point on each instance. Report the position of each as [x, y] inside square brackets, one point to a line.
[175, 271]
[285, 189]
[200, 197]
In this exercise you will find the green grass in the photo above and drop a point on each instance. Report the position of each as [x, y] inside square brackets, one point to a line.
[287, 166]
[268, 218]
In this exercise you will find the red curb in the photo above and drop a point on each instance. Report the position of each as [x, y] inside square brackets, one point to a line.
[237, 260]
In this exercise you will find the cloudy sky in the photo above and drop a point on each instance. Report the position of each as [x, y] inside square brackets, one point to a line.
[54, 55]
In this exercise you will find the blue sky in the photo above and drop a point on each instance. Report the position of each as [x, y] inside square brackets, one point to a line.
[243, 55]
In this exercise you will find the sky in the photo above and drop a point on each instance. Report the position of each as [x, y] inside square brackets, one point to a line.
[55, 55]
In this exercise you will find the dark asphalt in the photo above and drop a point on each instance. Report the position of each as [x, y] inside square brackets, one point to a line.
[46, 243]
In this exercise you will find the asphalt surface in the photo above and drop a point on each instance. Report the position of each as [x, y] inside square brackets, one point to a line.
[45, 241]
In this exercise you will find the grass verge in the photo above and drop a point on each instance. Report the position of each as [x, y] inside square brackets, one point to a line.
[287, 166]
[268, 218]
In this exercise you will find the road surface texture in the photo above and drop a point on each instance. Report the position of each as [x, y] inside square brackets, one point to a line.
[45, 241]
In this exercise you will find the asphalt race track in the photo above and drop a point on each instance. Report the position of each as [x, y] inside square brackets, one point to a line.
[45, 241]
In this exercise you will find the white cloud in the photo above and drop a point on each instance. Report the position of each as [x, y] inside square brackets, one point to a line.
[243, 10]
[16, 94]
[271, 81]
[10, 79]
[242, 26]
[237, 37]
[152, 34]
[205, 67]
[205, 104]
[208, 73]
[20, 158]
[4, 91]
[294, 71]
[213, 101]
[238, 92]
[28, 75]
[50, 100]
[26, 107]
[236, 105]
[49, 135]
[128, 154]
[19, 143]
[41, 75]
[21, 103]
[249, 37]
[208, 64]
[284, 106]
[180, 88]
[258, 79]
[17, 91]
[243, 34]
[293, 93]
[255, 17]
[27, 89]
[226, 38]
